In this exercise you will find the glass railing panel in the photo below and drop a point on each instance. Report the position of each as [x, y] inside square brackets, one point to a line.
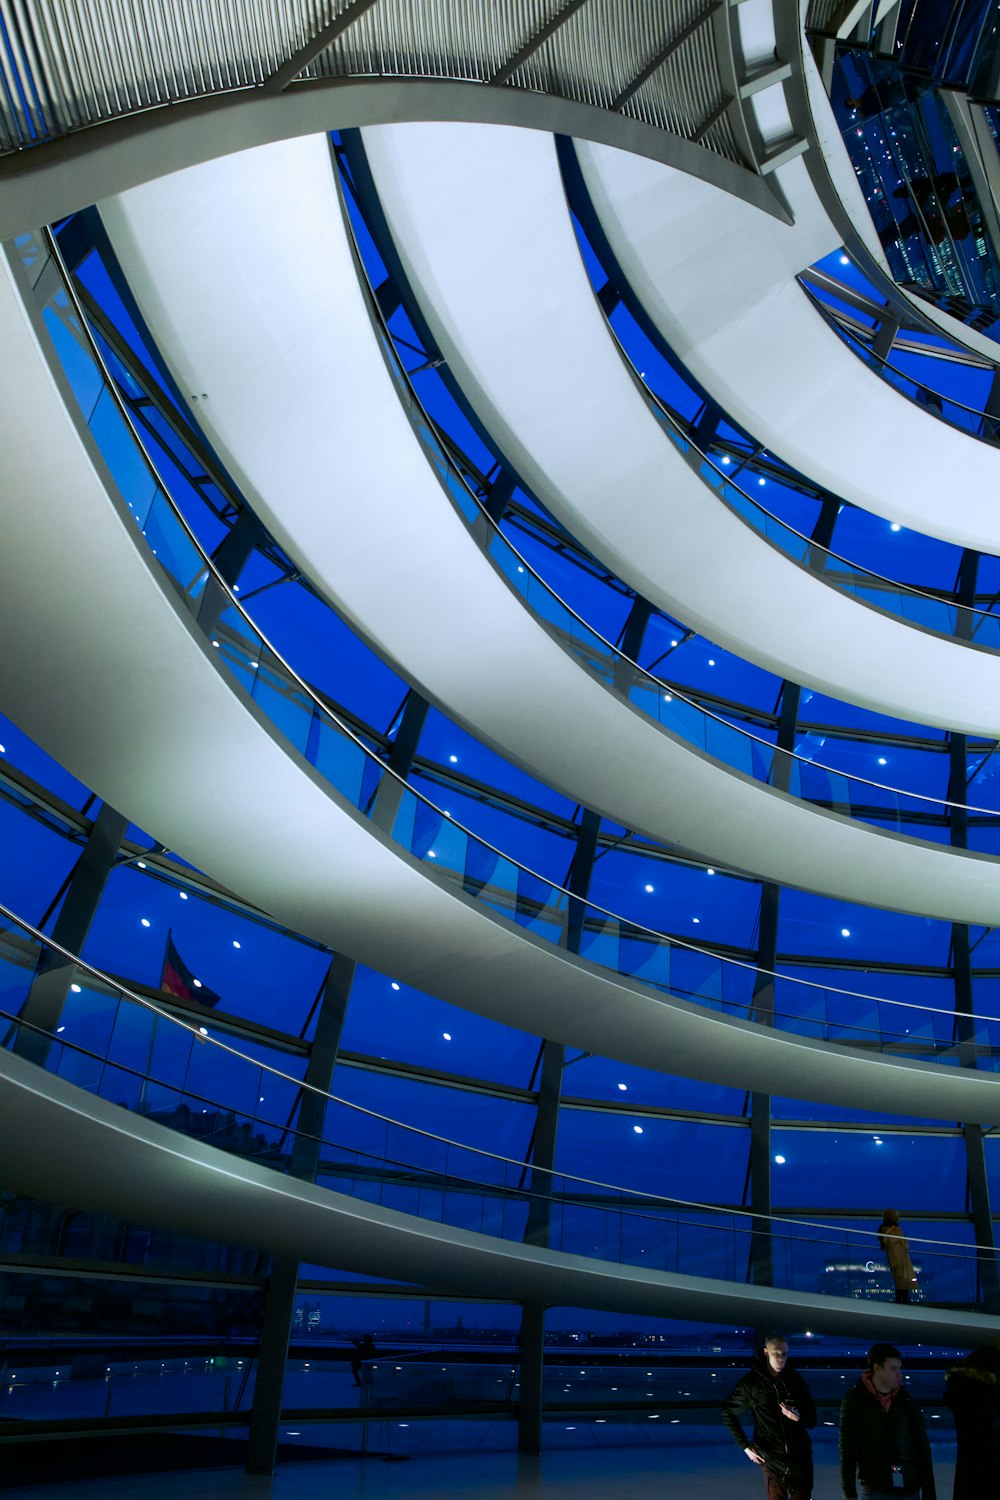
[391, 1163]
[518, 893]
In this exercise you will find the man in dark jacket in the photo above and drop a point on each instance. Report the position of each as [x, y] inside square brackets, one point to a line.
[783, 1411]
[883, 1440]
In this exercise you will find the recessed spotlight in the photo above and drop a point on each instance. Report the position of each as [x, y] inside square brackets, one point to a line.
[762, 480]
[183, 895]
[446, 1035]
[75, 988]
[894, 526]
[196, 983]
[882, 760]
[453, 759]
[710, 871]
[144, 921]
[637, 1129]
[395, 986]
[140, 864]
[649, 890]
[696, 919]
[236, 944]
[623, 1087]
[845, 932]
[780, 1160]
[845, 260]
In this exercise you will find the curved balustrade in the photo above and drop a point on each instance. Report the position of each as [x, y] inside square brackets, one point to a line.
[917, 606]
[980, 424]
[135, 1053]
[757, 757]
[661, 700]
[944, 616]
[458, 856]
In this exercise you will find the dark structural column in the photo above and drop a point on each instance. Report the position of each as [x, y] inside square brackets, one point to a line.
[47, 996]
[632, 636]
[761, 1256]
[230, 557]
[961, 958]
[279, 1297]
[553, 1056]
[400, 760]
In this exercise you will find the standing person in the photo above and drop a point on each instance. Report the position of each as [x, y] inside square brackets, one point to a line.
[973, 1393]
[364, 1348]
[783, 1411]
[897, 1253]
[883, 1440]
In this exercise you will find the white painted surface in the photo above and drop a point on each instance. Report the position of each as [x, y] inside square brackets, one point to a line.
[110, 678]
[718, 281]
[243, 271]
[517, 321]
[68, 1146]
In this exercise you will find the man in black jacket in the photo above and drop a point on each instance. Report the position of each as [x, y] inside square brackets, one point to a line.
[883, 1440]
[783, 1411]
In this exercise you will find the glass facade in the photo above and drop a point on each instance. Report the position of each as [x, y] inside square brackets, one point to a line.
[348, 1076]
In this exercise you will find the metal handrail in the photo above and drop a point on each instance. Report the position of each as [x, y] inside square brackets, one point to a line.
[849, 336]
[387, 770]
[201, 1035]
[447, 449]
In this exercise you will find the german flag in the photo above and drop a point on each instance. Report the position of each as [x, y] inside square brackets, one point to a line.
[178, 980]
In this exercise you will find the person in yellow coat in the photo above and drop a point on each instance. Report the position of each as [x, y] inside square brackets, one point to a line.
[897, 1253]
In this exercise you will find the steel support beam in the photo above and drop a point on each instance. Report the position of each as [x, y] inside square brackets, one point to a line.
[531, 46]
[47, 995]
[279, 1298]
[401, 755]
[538, 1226]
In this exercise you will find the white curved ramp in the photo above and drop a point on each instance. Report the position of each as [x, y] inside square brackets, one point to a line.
[68, 1146]
[110, 677]
[718, 280]
[515, 316]
[304, 412]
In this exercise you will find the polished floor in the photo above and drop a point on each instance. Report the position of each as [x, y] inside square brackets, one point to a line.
[675, 1471]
